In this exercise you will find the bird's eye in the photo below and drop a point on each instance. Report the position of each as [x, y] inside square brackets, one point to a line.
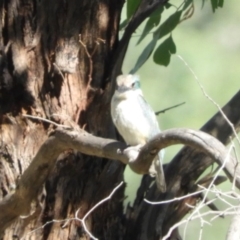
[136, 85]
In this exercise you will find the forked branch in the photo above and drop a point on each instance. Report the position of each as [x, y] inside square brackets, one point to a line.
[18, 203]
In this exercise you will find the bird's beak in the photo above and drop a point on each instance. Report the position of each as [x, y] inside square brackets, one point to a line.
[122, 88]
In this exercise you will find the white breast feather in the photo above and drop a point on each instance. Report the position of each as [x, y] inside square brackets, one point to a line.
[134, 119]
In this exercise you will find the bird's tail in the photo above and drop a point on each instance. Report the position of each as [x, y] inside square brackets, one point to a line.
[156, 170]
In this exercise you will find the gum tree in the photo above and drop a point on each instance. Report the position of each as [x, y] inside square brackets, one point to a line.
[59, 60]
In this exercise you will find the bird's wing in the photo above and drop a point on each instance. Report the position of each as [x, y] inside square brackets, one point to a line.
[157, 163]
[149, 114]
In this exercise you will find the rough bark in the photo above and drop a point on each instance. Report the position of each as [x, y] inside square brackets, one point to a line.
[18, 203]
[57, 60]
[54, 64]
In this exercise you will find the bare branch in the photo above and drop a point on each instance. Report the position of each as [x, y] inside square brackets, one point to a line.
[18, 203]
[82, 220]
[144, 10]
[234, 231]
[210, 99]
[169, 108]
[193, 138]
[60, 140]
[46, 120]
[96, 206]
[175, 199]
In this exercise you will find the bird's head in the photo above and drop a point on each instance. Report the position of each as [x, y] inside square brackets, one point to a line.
[127, 85]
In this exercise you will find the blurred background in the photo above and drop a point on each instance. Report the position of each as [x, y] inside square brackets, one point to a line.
[210, 44]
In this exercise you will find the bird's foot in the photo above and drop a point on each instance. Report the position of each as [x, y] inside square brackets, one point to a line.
[132, 152]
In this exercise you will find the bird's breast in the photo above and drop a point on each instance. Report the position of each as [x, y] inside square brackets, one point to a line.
[131, 122]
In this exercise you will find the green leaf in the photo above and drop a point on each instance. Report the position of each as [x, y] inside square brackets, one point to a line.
[163, 53]
[168, 25]
[203, 2]
[152, 22]
[186, 4]
[163, 30]
[220, 3]
[123, 24]
[167, 5]
[146, 53]
[132, 6]
[216, 4]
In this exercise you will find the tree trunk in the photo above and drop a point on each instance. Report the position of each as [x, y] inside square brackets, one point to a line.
[54, 64]
[57, 60]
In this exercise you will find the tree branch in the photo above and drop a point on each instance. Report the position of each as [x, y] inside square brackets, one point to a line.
[233, 231]
[145, 9]
[196, 139]
[18, 203]
[169, 108]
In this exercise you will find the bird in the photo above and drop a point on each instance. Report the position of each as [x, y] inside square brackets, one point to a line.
[135, 120]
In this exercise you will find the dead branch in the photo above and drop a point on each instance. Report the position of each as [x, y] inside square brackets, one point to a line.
[18, 203]
[82, 220]
[145, 9]
[196, 139]
[169, 108]
[234, 231]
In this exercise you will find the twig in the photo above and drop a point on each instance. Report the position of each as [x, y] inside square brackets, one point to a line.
[46, 120]
[202, 202]
[166, 109]
[103, 200]
[93, 208]
[144, 10]
[47, 223]
[210, 99]
[174, 199]
[89, 56]
[77, 218]
[59, 70]
[193, 218]
[90, 73]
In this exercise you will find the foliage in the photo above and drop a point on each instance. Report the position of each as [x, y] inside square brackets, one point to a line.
[162, 50]
[161, 47]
